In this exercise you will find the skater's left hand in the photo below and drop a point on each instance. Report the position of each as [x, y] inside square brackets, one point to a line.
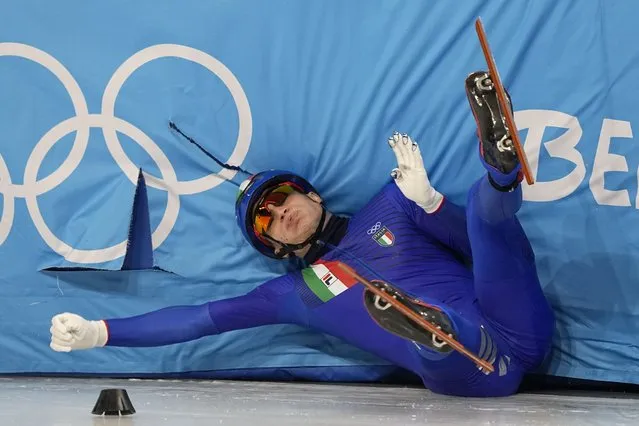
[410, 174]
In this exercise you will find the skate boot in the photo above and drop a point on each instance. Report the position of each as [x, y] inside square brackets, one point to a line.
[392, 320]
[496, 147]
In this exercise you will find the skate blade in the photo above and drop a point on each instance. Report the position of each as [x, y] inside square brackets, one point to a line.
[431, 328]
[503, 103]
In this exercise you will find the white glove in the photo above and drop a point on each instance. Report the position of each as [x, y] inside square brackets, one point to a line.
[72, 332]
[410, 175]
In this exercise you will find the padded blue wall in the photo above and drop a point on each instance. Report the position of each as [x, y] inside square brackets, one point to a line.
[87, 90]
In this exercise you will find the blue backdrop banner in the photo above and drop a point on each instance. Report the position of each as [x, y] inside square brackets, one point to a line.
[87, 90]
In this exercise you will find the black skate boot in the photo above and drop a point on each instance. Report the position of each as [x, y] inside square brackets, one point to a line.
[497, 149]
[392, 320]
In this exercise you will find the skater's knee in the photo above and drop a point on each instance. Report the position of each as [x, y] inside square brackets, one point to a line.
[529, 333]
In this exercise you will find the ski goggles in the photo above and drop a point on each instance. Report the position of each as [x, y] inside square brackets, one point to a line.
[263, 218]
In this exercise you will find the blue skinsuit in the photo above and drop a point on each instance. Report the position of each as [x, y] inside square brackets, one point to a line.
[497, 306]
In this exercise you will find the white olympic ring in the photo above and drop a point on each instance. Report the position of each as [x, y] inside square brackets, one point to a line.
[31, 187]
[375, 228]
[210, 63]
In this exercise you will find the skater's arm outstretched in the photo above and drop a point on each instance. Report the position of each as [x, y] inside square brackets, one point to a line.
[176, 324]
[413, 193]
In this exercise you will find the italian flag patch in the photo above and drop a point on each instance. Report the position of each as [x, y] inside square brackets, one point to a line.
[327, 280]
[384, 237]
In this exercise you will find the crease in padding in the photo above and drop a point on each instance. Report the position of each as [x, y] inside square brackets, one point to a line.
[139, 248]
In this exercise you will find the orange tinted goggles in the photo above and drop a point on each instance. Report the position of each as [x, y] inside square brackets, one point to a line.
[263, 218]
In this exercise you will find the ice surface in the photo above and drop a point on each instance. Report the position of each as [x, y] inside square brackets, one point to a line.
[68, 402]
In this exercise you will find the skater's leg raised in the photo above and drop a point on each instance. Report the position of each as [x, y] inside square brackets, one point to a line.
[506, 280]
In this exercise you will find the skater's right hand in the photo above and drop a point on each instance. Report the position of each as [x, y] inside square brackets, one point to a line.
[410, 174]
[72, 332]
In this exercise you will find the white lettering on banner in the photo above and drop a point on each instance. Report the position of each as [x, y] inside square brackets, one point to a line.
[607, 162]
[565, 147]
[562, 147]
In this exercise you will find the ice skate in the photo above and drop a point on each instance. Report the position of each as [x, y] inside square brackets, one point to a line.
[411, 319]
[496, 145]
[391, 319]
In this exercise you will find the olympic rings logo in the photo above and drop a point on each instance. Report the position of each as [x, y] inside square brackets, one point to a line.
[31, 187]
[375, 228]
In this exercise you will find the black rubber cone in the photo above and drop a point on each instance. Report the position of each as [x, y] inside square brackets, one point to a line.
[113, 402]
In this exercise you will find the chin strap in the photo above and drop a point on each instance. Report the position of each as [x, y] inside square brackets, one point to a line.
[290, 248]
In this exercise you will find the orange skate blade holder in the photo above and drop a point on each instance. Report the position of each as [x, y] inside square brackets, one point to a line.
[430, 327]
[503, 103]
